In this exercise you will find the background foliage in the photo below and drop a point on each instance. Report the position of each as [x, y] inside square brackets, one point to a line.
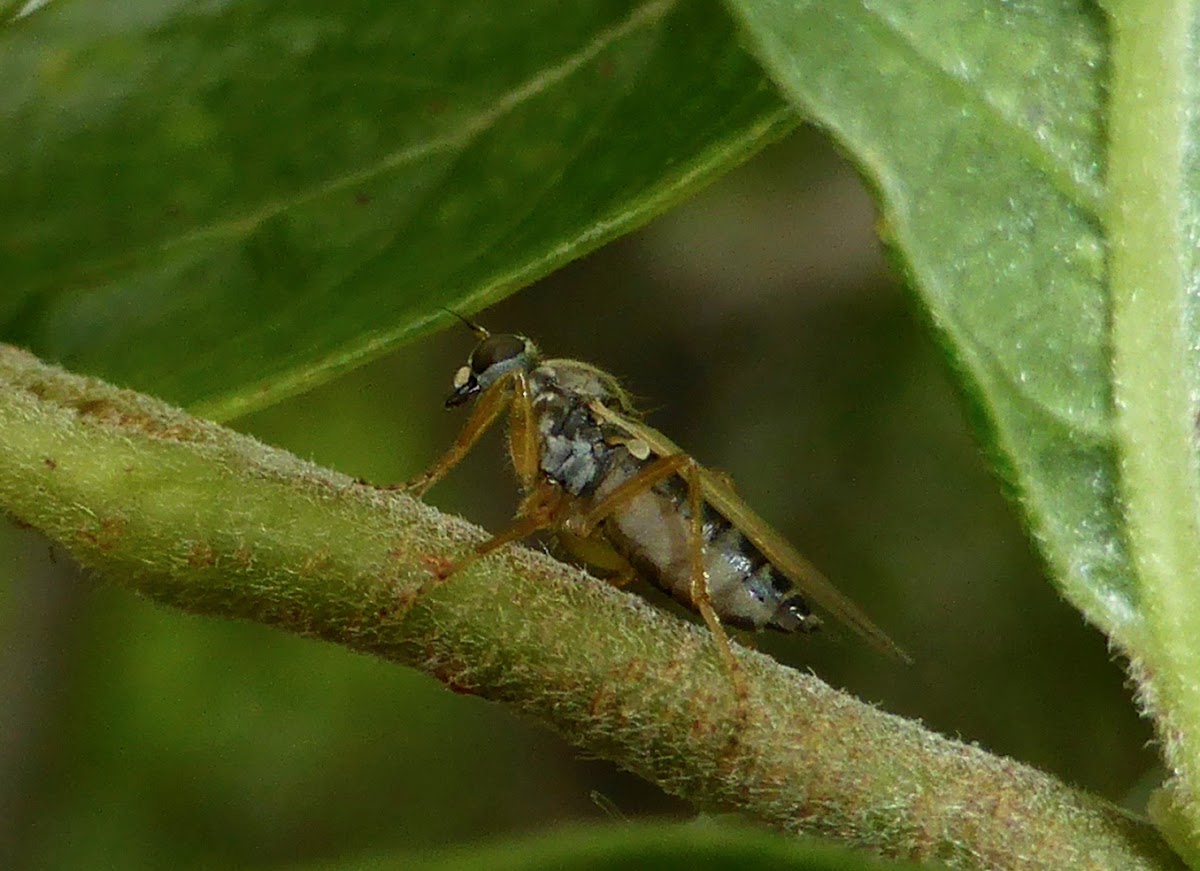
[225, 205]
[152, 744]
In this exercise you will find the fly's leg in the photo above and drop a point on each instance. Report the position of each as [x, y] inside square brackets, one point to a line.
[699, 591]
[487, 409]
[539, 510]
[656, 471]
[523, 435]
[540, 507]
[646, 477]
[622, 579]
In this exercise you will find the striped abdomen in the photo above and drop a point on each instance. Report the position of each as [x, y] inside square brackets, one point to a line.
[653, 531]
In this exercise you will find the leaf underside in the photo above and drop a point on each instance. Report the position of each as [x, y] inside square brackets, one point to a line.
[981, 126]
[224, 204]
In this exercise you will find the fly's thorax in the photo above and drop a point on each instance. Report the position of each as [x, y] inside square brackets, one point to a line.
[576, 450]
[581, 381]
[654, 532]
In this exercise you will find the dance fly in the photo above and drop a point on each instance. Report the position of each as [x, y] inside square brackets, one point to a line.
[625, 499]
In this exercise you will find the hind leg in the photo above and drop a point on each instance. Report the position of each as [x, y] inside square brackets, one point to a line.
[697, 551]
[651, 474]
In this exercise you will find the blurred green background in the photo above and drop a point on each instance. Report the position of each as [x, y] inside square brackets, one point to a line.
[762, 329]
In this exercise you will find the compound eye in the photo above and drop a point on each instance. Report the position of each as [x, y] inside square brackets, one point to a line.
[496, 349]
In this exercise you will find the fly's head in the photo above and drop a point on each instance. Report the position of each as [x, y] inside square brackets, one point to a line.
[493, 358]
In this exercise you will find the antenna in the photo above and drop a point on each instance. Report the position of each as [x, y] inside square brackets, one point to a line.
[480, 332]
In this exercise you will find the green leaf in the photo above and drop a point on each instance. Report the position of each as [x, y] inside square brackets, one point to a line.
[1064, 297]
[198, 517]
[981, 128]
[227, 203]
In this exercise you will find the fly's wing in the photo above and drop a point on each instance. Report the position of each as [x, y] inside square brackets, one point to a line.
[773, 546]
[788, 560]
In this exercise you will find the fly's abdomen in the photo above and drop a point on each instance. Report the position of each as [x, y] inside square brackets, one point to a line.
[654, 532]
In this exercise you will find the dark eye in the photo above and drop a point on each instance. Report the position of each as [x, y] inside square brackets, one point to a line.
[495, 349]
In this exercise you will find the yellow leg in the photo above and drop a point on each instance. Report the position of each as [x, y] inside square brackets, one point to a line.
[656, 471]
[523, 434]
[646, 477]
[541, 507]
[699, 588]
[623, 578]
[487, 409]
[540, 510]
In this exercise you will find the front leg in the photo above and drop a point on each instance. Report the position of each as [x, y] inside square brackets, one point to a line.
[487, 409]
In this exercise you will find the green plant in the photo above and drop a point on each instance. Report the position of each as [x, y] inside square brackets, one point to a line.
[1033, 166]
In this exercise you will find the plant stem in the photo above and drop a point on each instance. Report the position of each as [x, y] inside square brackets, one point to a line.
[201, 518]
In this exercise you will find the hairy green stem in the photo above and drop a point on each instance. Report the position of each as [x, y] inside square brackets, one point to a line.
[1152, 123]
[201, 518]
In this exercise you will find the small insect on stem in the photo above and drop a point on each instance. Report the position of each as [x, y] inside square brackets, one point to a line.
[623, 496]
